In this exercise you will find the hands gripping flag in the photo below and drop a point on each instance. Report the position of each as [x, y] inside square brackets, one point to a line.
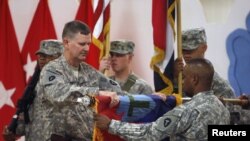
[133, 108]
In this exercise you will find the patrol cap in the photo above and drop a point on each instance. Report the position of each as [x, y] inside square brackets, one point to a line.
[122, 46]
[50, 47]
[192, 38]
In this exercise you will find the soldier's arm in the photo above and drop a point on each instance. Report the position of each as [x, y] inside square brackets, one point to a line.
[222, 88]
[141, 87]
[147, 89]
[166, 125]
[60, 92]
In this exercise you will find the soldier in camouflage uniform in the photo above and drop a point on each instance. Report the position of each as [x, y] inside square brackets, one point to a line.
[50, 49]
[121, 53]
[67, 80]
[185, 122]
[194, 45]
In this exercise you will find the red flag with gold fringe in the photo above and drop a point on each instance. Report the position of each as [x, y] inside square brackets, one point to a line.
[99, 22]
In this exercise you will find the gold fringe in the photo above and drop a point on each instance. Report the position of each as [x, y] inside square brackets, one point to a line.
[178, 99]
[97, 135]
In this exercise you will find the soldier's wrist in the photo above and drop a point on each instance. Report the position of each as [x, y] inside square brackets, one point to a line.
[109, 124]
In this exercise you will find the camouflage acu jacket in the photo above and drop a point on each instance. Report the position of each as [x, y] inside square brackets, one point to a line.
[59, 87]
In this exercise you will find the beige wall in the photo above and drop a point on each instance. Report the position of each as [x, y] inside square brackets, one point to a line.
[131, 19]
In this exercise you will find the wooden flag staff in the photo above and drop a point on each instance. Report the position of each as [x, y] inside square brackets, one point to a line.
[179, 43]
[231, 100]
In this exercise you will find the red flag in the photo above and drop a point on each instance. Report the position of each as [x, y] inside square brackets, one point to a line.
[41, 28]
[96, 14]
[163, 19]
[12, 80]
[85, 13]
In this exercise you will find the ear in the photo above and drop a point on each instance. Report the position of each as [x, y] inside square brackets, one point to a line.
[65, 42]
[204, 48]
[195, 79]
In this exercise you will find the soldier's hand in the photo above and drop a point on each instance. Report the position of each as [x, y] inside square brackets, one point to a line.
[161, 95]
[113, 95]
[222, 100]
[102, 121]
[104, 64]
[245, 101]
[178, 66]
[7, 135]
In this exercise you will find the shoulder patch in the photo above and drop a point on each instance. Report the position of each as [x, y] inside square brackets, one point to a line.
[167, 121]
[113, 82]
[51, 78]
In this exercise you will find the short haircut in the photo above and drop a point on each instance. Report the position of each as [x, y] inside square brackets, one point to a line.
[203, 68]
[73, 27]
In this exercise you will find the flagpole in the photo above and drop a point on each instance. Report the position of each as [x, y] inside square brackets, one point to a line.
[179, 43]
[107, 40]
[234, 101]
[107, 49]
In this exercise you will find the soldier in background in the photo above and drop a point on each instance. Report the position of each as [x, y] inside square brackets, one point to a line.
[50, 49]
[67, 80]
[121, 56]
[194, 45]
[188, 121]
